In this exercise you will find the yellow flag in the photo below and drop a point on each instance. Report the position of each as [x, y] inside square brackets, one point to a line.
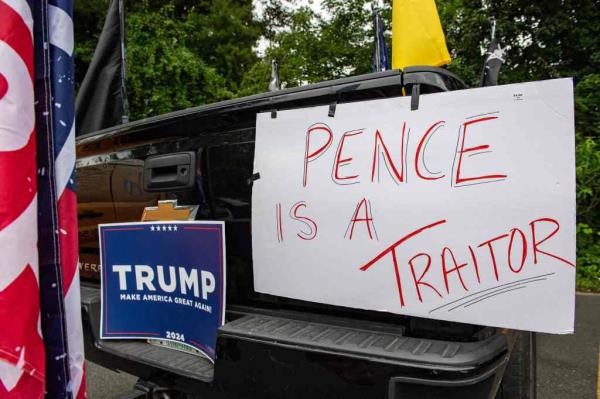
[417, 35]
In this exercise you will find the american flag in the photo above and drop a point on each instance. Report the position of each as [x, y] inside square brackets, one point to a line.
[38, 217]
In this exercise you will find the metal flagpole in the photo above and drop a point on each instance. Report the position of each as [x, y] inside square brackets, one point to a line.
[125, 116]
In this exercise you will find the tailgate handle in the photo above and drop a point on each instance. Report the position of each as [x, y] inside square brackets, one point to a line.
[170, 172]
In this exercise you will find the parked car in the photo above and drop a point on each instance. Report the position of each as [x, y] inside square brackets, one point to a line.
[274, 347]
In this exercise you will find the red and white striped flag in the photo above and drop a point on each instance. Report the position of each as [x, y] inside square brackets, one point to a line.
[22, 362]
[38, 215]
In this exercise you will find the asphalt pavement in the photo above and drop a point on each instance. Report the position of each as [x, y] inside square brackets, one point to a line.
[567, 364]
[103, 383]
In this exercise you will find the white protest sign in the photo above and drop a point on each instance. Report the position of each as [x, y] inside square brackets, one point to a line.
[462, 210]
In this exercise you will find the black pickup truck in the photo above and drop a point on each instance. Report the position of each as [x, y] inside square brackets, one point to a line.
[274, 347]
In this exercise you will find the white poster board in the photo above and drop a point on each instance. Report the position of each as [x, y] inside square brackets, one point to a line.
[462, 210]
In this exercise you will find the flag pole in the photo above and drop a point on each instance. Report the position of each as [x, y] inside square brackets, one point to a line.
[274, 83]
[493, 58]
[377, 45]
[125, 116]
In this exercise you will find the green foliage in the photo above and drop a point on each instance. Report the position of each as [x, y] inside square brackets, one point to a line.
[587, 106]
[588, 180]
[588, 211]
[179, 53]
[224, 36]
[182, 54]
[543, 40]
[588, 256]
[89, 17]
[164, 74]
[587, 122]
[311, 48]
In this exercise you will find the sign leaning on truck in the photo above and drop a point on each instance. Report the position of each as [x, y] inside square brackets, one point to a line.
[163, 280]
[461, 210]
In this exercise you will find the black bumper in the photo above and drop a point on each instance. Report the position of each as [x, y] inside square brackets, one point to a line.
[297, 356]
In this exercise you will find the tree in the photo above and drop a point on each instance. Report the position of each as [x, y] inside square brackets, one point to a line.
[89, 18]
[163, 73]
[311, 48]
[224, 35]
[179, 53]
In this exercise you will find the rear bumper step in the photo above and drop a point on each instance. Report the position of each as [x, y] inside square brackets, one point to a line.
[180, 363]
[361, 342]
[129, 352]
[357, 339]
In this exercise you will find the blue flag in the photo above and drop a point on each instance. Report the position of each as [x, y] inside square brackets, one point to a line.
[380, 60]
[60, 322]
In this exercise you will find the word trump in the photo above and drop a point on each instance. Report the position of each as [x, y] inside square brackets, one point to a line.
[179, 278]
[470, 141]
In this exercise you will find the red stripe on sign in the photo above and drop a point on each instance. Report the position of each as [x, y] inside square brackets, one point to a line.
[132, 333]
[16, 34]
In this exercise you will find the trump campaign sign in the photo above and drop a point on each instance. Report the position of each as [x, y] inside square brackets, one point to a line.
[163, 280]
[462, 210]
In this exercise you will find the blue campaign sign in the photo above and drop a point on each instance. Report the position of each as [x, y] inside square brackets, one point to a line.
[163, 280]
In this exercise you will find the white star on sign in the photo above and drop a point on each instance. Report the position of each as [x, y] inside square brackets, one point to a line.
[170, 228]
[175, 228]
[152, 228]
[164, 228]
